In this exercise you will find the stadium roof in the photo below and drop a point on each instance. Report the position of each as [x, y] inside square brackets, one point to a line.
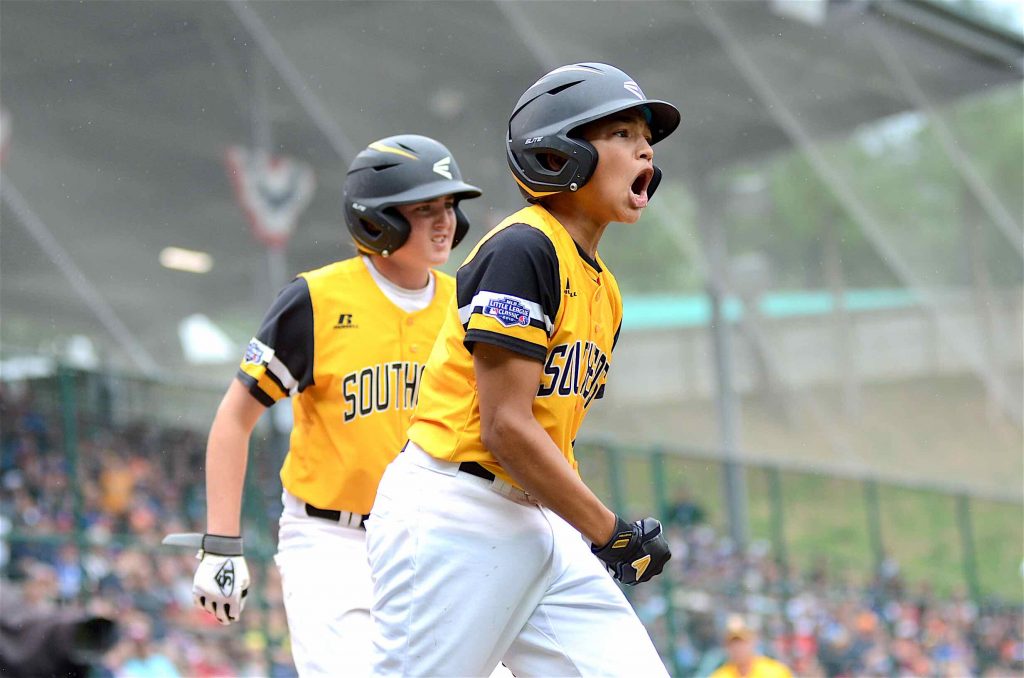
[121, 112]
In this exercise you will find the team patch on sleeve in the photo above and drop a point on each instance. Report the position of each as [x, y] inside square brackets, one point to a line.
[257, 353]
[268, 374]
[508, 310]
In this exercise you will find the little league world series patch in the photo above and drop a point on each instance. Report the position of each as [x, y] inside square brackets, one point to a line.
[257, 353]
[509, 311]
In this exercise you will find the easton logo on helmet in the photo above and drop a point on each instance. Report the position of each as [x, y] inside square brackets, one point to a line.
[633, 89]
[443, 167]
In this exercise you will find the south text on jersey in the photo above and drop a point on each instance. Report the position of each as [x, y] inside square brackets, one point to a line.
[379, 388]
[574, 369]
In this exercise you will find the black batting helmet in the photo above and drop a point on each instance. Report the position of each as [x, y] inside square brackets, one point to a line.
[399, 170]
[558, 104]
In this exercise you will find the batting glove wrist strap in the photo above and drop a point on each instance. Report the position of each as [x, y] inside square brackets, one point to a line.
[610, 552]
[217, 545]
[636, 552]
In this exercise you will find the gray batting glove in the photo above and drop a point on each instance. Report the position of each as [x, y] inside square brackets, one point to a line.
[221, 582]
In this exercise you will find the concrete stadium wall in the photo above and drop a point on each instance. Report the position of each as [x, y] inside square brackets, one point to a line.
[886, 345]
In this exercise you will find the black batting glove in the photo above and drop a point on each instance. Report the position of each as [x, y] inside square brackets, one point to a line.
[636, 552]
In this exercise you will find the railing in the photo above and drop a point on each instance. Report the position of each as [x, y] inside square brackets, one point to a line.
[857, 527]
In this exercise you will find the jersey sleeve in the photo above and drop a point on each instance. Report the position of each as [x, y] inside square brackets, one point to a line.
[278, 361]
[509, 294]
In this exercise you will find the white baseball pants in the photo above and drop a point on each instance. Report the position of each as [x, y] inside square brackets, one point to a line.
[468, 572]
[327, 593]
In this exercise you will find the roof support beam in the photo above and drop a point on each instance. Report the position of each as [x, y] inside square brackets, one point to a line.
[987, 198]
[94, 300]
[869, 224]
[316, 108]
[970, 35]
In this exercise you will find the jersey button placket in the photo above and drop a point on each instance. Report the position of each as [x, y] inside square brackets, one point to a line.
[594, 307]
[403, 338]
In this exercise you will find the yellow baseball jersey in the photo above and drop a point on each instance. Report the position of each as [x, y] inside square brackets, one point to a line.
[528, 288]
[760, 667]
[353, 362]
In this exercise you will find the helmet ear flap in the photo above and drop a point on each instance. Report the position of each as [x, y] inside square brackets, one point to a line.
[398, 231]
[374, 237]
[655, 180]
[580, 162]
[461, 226]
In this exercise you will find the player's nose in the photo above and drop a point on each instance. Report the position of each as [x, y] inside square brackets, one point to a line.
[445, 220]
[645, 150]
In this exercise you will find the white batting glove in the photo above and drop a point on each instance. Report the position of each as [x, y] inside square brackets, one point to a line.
[221, 582]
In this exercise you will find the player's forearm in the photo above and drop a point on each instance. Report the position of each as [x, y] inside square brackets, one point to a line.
[526, 452]
[227, 454]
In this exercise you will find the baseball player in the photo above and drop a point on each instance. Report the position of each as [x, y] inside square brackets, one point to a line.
[347, 342]
[475, 536]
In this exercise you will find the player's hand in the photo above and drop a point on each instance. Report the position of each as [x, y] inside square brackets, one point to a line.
[221, 582]
[636, 552]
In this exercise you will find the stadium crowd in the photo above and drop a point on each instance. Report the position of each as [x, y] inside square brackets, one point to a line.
[819, 624]
[139, 483]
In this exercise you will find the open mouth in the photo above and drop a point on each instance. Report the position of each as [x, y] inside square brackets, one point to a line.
[642, 181]
[439, 239]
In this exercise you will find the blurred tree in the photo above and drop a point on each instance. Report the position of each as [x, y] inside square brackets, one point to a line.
[900, 170]
[781, 208]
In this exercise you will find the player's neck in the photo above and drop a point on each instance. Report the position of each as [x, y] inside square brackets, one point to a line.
[404, 276]
[584, 228]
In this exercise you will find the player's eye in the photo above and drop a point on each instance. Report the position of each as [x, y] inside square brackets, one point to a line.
[449, 205]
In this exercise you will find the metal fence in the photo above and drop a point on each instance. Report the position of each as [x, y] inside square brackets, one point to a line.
[858, 529]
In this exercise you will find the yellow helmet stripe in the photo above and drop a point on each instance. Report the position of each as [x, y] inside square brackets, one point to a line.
[377, 146]
[535, 194]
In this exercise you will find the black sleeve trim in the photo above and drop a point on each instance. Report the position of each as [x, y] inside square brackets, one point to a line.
[254, 390]
[288, 329]
[518, 261]
[618, 331]
[513, 344]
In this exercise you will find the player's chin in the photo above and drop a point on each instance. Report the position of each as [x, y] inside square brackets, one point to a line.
[630, 215]
[439, 257]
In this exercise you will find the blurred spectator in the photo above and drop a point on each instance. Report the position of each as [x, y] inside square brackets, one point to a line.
[139, 656]
[684, 511]
[742, 659]
[117, 483]
[138, 483]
